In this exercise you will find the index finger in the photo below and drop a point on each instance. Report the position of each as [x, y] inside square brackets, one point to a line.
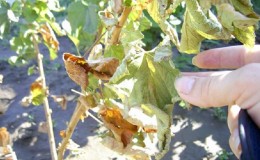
[227, 57]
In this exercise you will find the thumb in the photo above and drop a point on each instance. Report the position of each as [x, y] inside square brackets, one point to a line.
[208, 90]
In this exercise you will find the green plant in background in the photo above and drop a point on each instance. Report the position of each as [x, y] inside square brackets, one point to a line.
[124, 74]
[224, 155]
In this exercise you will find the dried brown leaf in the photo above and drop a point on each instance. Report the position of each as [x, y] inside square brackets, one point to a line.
[78, 68]
[105, 68]
[122, 129]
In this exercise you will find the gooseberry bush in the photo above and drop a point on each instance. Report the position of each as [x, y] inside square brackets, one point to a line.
[127, 80]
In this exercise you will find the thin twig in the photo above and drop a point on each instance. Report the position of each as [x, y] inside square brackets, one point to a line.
[95, 43]
[46, 102]
[118, 27]
[80, 109]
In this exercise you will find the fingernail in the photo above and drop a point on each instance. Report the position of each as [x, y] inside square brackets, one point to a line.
[184, 85]
[194, 61]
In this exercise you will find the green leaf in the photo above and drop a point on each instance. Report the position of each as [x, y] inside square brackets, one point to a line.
[145, 23]
[29, 13]
[92, 19]
[130, 34]
[4, 21]
[116, 51]
[31, 70]
[190, 39]
[76, 9]
[153, 80]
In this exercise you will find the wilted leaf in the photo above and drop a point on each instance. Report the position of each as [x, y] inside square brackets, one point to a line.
[43, 127]
[239, 25]
[50, 39]
[38, 93]
[122, 129]
[151, 87]
[61, 100]
[105, 68]
[78, 68]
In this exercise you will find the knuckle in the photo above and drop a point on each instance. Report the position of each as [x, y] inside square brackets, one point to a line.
[249, 75]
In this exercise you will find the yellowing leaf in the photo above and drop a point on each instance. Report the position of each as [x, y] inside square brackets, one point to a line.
[37, 93]
[50, 39]
[190, 39]
[246, 36]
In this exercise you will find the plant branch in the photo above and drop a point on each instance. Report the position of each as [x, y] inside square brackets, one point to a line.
[80, 109]
[45, 101]
[120, 24]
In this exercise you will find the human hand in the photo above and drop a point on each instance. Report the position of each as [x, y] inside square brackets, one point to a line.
[239, 88]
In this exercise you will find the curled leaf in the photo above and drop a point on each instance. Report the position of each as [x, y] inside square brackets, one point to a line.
[122, 129]
[105, 68]
[78, 68]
